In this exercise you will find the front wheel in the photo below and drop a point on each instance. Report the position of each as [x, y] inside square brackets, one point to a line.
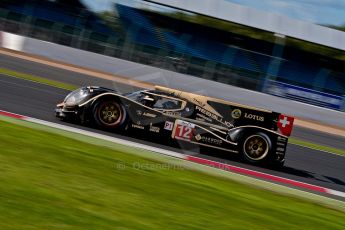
[256, 147]
[108, 114]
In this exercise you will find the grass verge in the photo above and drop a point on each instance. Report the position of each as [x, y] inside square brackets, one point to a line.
[37, 79]
[48, 181]
[72, 87]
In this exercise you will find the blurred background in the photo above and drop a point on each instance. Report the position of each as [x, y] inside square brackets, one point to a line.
[236, 45]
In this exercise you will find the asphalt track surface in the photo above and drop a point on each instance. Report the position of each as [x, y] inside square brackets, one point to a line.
[38, 101]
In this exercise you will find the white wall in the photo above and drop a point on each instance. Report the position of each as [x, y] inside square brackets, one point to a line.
[11, 41]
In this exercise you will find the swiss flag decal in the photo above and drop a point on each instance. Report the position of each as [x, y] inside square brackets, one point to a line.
[285, 124]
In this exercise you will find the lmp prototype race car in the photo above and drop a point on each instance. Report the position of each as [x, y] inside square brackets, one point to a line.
[259, 136]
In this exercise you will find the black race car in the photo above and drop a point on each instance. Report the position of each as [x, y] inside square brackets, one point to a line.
[259, 136]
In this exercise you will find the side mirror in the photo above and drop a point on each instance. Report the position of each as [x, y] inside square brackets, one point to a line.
[148, 99]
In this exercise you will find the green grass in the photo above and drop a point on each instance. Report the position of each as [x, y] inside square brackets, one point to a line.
[48, 181]
[316, 146]
[42, 80]
[72, 87]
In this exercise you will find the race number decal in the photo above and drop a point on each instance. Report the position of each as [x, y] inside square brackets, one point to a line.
[183, 130]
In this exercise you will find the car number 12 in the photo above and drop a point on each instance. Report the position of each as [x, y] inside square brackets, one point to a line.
[183, 131]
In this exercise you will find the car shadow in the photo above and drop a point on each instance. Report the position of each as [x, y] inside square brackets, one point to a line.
[314, 176]
[285, 171]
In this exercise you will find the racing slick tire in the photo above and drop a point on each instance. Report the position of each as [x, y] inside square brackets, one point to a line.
[109, 114]
[256, 148]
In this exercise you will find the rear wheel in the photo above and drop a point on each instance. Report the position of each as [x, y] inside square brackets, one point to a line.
[109, 114]
[256, 147]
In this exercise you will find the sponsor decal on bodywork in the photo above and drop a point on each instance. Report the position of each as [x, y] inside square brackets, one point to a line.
[207, 113]
[204, 117]
[281, 149]
[183, 130]
[215, 117]
[254, 117]
[285, 124]
[209, 140]
[236, 113]
[198, 137]
[137, 126]
[154, 129]
[173, 113]
[200, 119]
[168, 125]
[283, 139]
[149, 115]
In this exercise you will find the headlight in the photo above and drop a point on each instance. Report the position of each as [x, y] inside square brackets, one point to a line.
[76, 96]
